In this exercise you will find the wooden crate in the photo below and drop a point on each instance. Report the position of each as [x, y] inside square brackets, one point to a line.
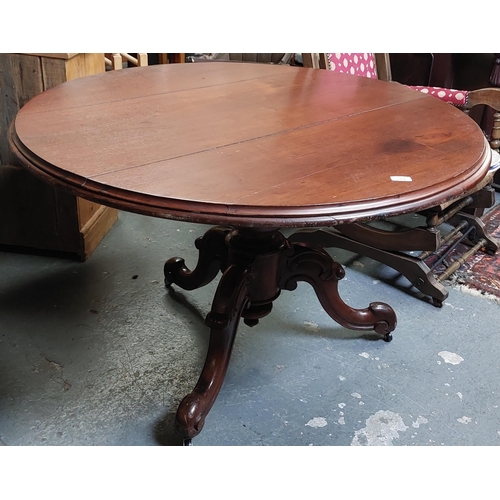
[33, 214]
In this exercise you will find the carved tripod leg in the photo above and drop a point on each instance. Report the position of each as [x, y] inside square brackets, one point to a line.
[229, 301]
[317, 268]
[212, 257]
[412, 268]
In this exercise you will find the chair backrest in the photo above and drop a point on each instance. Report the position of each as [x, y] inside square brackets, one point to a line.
[359, 64]
[378, 66]
[369, 65]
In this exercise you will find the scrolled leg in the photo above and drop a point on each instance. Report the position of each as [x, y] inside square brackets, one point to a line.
[212, 257]
[256, 266]
[227, 307]
[316, 267]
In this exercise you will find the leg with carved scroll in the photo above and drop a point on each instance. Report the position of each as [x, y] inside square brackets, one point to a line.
[412, 268]
[230, 299]
[315, 266]
[257, 265]
[212, 258]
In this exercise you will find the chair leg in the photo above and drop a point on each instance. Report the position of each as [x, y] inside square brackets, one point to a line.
[491, 245]
[495, 132]
[382, 246]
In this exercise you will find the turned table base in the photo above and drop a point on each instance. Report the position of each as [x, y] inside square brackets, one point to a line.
[256, 265]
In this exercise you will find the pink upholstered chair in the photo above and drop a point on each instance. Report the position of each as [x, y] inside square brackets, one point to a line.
[396, 248]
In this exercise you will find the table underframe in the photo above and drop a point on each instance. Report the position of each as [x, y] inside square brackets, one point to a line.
[256, 264]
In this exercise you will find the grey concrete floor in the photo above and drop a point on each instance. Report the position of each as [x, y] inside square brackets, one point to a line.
[100, 353]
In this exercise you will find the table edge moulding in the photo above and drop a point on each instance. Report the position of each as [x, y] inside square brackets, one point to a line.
[251, 110]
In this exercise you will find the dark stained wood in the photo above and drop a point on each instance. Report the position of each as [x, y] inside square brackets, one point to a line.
[24, 221]
[411, 69]
[413, 268]
[256, 145]
[166, 58]
[387, 246]
[256, 267]
[458, 71]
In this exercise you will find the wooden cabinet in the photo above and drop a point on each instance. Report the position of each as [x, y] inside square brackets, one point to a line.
[33, 214]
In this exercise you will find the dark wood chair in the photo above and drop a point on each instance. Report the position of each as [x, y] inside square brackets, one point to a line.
[419, 246]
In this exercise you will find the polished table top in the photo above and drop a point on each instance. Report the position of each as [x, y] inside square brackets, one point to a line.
[250, 144]
[251, 148]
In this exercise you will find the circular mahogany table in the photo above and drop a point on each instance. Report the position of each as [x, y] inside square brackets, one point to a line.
[251, 148]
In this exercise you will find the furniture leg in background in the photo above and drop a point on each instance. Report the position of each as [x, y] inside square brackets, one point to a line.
[495, 128]
[171, 58]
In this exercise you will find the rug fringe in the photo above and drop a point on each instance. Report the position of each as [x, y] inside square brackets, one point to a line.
[477, 293]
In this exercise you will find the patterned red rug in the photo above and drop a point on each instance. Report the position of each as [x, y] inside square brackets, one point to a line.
[481, 273]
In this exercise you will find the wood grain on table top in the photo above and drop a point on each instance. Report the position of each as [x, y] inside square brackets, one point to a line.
[258, 143]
